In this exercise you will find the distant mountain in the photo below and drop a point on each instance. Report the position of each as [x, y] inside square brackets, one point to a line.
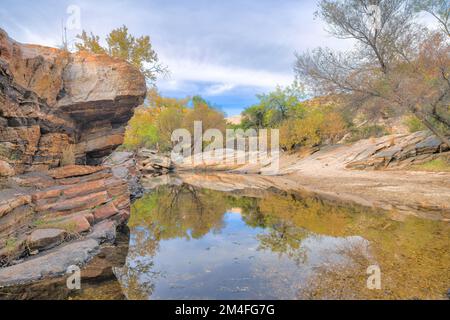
[234, 119]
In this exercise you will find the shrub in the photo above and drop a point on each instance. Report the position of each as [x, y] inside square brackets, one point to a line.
[414, 124]
[437, 165]
[368, 131]
[141, 130]
[317, 127]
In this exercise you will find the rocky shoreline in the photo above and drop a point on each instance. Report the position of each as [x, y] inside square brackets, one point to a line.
[61, 115]
[60, 219]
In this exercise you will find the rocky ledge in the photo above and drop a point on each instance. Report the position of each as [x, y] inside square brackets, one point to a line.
[62, 108]
[399, 151]
[63, 195]
[50, 221]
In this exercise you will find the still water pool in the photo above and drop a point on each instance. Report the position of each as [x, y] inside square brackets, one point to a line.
[186, 242]
[190, 243]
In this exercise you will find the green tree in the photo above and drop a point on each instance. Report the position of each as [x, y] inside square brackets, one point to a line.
[121, 44]
[439, 9]
[90, 43]
[210, 117]
[275, 107]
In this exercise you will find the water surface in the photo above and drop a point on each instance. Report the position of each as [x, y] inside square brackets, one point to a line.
[185, 242]
[190, 243]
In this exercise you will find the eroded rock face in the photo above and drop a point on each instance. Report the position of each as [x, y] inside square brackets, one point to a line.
[50, 220]
[55, 105]
[399, 151]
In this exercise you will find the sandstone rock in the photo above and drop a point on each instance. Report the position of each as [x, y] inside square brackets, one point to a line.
[401, 151]
[9, 205]
[73, 171]
[78, 204]
[34, 180]
[123, 216]
[104, 231]
[73, 224]
[52, 264]
[152, 162]
[47, 194]
[59, 111]
[11, 250]
[55, 105]
[430, 145]
[6, 170]
[117, 158]
[105, 212]
[42, 239]
[124, 167]
[84, 189]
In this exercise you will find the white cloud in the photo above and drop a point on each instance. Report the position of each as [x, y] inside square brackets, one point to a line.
[218, 89]
[222, 77]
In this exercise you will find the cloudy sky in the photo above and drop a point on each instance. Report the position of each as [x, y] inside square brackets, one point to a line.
[227, 51]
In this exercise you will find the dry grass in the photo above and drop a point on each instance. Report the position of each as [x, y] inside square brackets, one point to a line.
[437, 165]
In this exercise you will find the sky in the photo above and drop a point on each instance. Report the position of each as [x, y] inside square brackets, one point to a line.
[226, 51]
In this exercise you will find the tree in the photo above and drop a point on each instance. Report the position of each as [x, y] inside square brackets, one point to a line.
[384, 44]
[253, 117]
[275, 107]
[422, 86]
[315, 127]
[384, 62]
[153, 124]
[170, 117]
[439, 9]
[90, 43]
[137, 51]
[141, 130]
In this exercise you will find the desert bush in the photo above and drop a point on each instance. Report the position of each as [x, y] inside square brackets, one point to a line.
[152, 125]
[367, 131]
[316, 127]
[141, 131]
[414, 124]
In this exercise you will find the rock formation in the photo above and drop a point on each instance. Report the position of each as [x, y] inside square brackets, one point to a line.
[61, 108]
[150, 162]
[55, 219]
[61, 115]
[399, 151]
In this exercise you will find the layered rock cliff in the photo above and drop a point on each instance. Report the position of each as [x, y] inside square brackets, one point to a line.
[58, 107]
[61, 115]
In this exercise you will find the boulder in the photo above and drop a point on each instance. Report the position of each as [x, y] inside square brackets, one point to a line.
[52, 264]
[105, 212]
[104, 231]
[150, 161]
[42, 239]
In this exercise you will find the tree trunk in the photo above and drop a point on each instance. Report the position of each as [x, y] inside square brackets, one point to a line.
[441, 119]
[430, 126]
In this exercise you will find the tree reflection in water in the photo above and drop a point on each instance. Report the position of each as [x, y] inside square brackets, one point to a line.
[330, 246]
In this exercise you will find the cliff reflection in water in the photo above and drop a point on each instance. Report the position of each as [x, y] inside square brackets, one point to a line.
[98, 281]
[190, 243]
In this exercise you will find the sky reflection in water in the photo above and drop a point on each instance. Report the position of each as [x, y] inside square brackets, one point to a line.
[233, 257]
